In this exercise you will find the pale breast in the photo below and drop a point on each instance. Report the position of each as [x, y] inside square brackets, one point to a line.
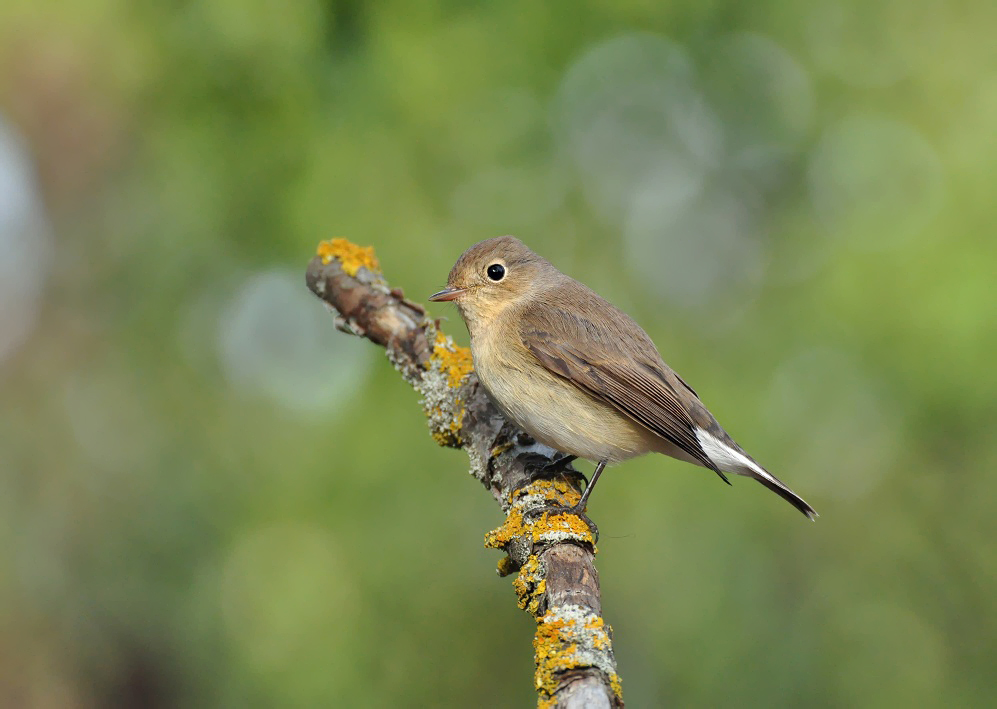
[553, 410]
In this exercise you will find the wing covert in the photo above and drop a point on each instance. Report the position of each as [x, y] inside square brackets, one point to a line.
[636, 389]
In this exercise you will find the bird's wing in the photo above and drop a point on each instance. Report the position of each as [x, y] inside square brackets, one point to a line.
[609, 357]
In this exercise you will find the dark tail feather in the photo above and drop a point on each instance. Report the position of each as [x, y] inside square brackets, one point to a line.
[780, 489]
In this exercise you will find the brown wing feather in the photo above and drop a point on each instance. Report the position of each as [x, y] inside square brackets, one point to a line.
[615, 367]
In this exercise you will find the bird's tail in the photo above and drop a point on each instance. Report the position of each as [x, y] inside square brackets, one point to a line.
[730, 458]
[782, 490]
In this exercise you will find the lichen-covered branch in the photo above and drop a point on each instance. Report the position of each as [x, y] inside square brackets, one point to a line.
[552, 554]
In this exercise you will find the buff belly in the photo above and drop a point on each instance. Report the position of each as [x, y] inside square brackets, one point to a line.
[558, 414]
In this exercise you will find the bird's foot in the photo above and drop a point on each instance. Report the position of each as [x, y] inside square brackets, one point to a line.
[577, 510]
[538, 467]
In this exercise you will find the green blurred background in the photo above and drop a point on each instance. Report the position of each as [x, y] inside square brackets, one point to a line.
[208, 497]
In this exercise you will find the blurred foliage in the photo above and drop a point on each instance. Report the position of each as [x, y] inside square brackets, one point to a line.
[210, 498]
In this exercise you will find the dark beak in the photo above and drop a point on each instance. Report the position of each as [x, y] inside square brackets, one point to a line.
[447, 294]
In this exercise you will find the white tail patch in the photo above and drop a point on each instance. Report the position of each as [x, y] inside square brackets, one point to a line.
[729, 460]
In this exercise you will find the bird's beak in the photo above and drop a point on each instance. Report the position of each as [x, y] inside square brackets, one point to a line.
[447, 294]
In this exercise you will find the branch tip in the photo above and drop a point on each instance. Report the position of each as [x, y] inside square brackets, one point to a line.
[351, 256]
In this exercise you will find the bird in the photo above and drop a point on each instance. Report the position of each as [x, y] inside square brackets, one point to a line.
[578, 374]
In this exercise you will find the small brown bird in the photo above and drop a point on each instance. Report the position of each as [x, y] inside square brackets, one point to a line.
[578, 374]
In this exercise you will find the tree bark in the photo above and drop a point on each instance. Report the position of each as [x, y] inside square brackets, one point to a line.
[551, 555]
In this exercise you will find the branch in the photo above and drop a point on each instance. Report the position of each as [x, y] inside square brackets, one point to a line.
[552, 555]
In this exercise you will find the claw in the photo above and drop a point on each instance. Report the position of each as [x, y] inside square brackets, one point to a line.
[538, 467]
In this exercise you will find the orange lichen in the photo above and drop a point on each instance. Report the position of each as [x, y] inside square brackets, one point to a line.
[513, 527]
[552, 653]
[545, 527]
[569, 637]
[557, 490]
[538, 594]
[452, 359]
[530, 586]
[564, 642]
[351, 256]
[449, 366]
[566, 524]
[506, 566]
[616, 684]
[601, 638]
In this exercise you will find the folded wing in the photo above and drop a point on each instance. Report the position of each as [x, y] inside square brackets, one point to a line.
[617, 368]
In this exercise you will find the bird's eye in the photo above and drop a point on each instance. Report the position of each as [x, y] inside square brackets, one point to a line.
[496, 272]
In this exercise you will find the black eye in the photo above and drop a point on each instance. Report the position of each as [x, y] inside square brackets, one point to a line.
[496, 272]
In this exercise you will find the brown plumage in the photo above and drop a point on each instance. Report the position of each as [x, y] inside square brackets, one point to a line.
[580, 375]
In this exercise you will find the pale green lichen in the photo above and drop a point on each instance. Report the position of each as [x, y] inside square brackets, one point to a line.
[438, 382]
[478, 463]
[446, 370]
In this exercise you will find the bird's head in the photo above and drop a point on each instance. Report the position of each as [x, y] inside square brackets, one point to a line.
[492, 275]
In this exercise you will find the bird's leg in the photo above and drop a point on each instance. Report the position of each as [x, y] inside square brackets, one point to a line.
[591, 486]
[579, 508]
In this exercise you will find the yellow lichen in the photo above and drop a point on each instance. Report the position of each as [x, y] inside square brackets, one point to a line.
[506, 566]
[567, 640]
[557, 490]
[530, 586]
[448, 367]
[513, 527]
[538, 594]
[449, 436]
[568, 637]
[601, 638]
[545, 527]
[453, 360]
[552, 654]
[351, 256]
[616, 684]
[564, 524]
